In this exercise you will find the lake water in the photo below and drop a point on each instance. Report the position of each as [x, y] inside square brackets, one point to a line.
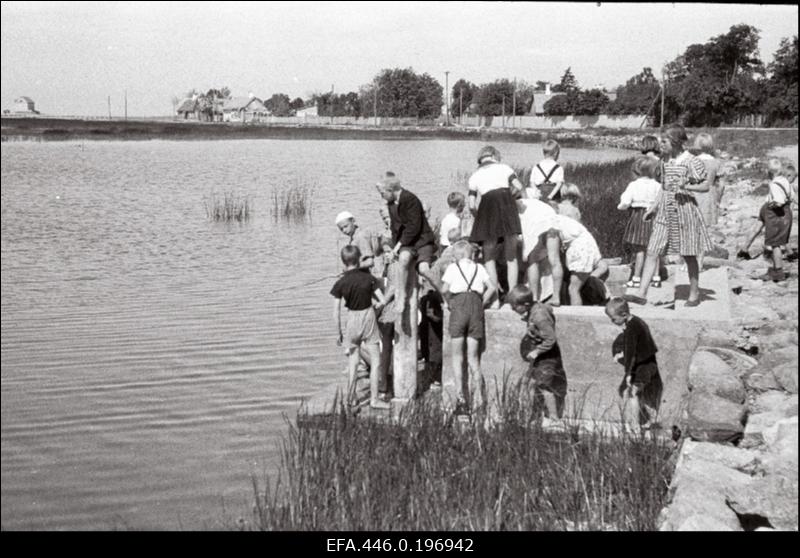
[147, 361]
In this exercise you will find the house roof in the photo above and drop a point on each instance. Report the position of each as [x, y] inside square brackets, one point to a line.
[539, 99]
[241, 103]
[25, 99]
[187, 105]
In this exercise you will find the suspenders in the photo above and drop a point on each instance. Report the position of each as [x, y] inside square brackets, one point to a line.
[549, 174]
[468, 281]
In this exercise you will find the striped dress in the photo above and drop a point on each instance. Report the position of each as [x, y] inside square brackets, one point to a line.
[678, 227]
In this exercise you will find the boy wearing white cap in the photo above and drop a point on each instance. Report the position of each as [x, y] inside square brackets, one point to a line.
[356, 237]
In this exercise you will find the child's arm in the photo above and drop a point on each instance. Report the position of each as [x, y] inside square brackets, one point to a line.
[491, 289]
[337, 319]
[446, 296]
[651, 211]
[626, 199]
[546, 331]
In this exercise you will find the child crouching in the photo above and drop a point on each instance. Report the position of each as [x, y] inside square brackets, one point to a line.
[641, 386]
[358, 287]
[540, 348]
[468, 290]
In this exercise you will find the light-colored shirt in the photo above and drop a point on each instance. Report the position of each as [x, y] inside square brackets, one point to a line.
[568, 229]
[642, 192]
[779, 190]
[547, 164]
[491, 176]
[449, 222]
[536, 219]
[458, 281]
[569, 210]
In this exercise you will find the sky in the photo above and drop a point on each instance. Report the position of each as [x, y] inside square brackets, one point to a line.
[69, 57]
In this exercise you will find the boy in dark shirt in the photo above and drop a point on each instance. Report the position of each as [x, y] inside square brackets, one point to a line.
[358, 287]
[540, 348]
[642, 385]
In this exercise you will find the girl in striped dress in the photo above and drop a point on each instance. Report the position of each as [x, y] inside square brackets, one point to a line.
[678, 226]
[496, 214]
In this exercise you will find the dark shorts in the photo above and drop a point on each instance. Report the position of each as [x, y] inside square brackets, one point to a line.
[648, 384]
[466, 316]
[777, 225]
[547, 372]
[426, 253]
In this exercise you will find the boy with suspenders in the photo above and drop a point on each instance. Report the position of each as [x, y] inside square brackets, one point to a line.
[548, 176]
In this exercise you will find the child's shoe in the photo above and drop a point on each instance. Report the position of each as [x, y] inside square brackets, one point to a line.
[656, 282]
[634, 283]
[462, 409]
[743, 255]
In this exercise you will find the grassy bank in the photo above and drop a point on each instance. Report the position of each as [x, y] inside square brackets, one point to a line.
[434, 473]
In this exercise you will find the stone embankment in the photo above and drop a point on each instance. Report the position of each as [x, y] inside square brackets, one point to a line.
[737, 468]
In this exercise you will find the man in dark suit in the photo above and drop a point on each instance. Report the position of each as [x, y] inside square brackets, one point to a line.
[413, 237]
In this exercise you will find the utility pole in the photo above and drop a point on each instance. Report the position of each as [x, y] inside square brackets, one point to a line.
[514, 104]
[460, 105]
[504, 111]
[331, 109]
[126, 104]
[446, 98]
[663, 94]
[375, 106]
[109, 107]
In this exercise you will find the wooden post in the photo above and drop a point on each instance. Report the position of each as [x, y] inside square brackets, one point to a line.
[405, 342]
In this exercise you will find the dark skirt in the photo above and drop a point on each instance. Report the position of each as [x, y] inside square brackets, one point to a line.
[637, 231]
[497, 217]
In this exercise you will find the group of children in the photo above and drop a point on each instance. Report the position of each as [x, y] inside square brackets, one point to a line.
[536, 228]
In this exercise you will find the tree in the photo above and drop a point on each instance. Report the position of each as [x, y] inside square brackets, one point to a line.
[401, 93]
[568, 83]
[780, 105]
[496, 98]
[279, 104]
[462, 96]
[297, 104]
[717, 81]
[637, 96]
[581, 103]
[541, 85]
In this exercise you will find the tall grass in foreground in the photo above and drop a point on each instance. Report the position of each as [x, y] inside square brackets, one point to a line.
[292, 201]
[433, 473]
[229, 207]
[601, 184]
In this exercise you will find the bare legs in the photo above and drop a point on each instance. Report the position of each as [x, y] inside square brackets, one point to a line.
[512, 264]
[692, 267]
[474, 365]
[638, 264]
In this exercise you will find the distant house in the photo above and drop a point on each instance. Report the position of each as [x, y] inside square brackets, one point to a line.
[540, 97]
[244, 109]
[188, 109]
[307, 111]
[24, 105]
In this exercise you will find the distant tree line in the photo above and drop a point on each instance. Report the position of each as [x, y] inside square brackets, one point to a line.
[710, 84]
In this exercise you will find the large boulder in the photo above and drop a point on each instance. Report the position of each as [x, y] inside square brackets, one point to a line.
[699, 488]
[712, 418]
[786, 376]
[709, 373]
[773, 497]
[743, 460]
[761, 380]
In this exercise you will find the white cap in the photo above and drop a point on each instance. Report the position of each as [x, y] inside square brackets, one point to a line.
[344, 215]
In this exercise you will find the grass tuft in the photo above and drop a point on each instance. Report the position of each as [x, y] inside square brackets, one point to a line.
[293, 201]
[229, 207]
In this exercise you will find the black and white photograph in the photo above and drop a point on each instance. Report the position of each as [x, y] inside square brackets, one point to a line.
[397, 276]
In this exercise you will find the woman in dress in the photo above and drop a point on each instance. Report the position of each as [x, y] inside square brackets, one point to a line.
[678, 226]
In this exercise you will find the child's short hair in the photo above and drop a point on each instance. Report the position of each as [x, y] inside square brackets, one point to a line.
[618, 306]
[650, 143]
[636, 167]
[789, 168]
[390, 182]
[351, 255]
[775, 167]
[650, 168]
[550, 148]
[455, 200]
[463, 249]
[520, 295]
[570, 191]
[454, 235]
[704, 143]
